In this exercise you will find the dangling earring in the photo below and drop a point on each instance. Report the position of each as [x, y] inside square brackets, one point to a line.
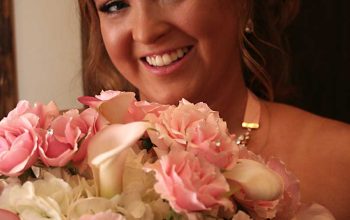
[249, 28]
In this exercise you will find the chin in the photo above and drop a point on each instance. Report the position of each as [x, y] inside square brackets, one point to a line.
[169, 98]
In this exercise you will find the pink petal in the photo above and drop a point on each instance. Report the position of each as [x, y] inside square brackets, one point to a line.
[56, 153]
[7, 215]
[20, 156]
[115, 110]
[107, 95]
[313, 212]
[89, 101]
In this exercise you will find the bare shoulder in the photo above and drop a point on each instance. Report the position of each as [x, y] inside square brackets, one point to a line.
[311, 128]
[317, 150]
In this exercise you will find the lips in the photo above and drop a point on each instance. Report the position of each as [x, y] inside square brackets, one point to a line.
[166, 59]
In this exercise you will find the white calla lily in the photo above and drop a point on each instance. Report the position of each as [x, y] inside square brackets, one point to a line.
[257, 181]
[107, 154]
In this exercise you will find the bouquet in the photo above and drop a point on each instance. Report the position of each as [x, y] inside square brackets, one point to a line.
[126, 159]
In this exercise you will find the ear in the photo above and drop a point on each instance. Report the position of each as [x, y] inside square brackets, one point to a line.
[244, 10]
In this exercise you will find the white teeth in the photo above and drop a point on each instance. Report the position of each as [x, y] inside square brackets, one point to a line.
[180, 53]
[166, 59]
[159, 61]
[173, 56]
[149, 59]
[153, 61]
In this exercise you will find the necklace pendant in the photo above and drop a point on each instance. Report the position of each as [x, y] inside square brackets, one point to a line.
[251, 119]
[243, 139]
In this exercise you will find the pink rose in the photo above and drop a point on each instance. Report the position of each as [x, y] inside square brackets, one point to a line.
[211, 140]
[93, 123]
[290, 202]
[94, 102]
[172, 125]
[138, 110]
[7, 215]
[197, 129]
[267, 190]
[189, 183]
[115, 108]
[121, 107]
[241, 216]
[19, 140]
[46, 113]
[65, 133]
[259, 209]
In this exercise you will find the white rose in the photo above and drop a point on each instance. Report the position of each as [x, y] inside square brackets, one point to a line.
[257, 180]
[23, 200]
[56, 189]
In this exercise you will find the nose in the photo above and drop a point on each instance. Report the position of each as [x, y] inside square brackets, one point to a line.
[149, 26]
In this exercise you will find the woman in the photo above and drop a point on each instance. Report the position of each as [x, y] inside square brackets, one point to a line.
[211, 51]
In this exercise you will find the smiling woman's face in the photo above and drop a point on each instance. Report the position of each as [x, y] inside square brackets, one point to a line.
[173, 49]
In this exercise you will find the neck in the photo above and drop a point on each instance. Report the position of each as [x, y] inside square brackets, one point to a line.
[231, 104]
[260, 137]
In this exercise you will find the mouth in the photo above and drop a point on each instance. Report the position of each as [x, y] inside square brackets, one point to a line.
[166, 59]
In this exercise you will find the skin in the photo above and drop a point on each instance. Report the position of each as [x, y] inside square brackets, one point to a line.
[315, 149]
[151, 27]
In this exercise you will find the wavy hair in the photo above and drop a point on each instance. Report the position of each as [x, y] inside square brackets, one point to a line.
[264, 51]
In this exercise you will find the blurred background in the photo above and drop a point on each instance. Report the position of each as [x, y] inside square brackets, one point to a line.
[43, 37]
[45, 43]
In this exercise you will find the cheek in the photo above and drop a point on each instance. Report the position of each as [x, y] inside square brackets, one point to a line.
[215, 27]
[118, 45]
[211, 17]
[115, 42]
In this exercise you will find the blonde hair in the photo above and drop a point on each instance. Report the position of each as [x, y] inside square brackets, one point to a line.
[98, 71]
[264, 56]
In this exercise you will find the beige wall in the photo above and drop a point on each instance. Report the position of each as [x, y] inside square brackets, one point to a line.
[48, 51]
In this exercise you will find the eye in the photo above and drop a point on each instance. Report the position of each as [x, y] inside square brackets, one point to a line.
[113, 6]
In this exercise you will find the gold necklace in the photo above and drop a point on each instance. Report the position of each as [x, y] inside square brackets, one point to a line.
[251, 119]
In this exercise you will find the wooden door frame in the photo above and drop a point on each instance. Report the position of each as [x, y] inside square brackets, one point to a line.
[8, 76]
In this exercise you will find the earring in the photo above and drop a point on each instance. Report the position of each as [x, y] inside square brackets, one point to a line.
[249, 28]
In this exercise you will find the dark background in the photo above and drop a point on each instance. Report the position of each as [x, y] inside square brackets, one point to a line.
[319, 40]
